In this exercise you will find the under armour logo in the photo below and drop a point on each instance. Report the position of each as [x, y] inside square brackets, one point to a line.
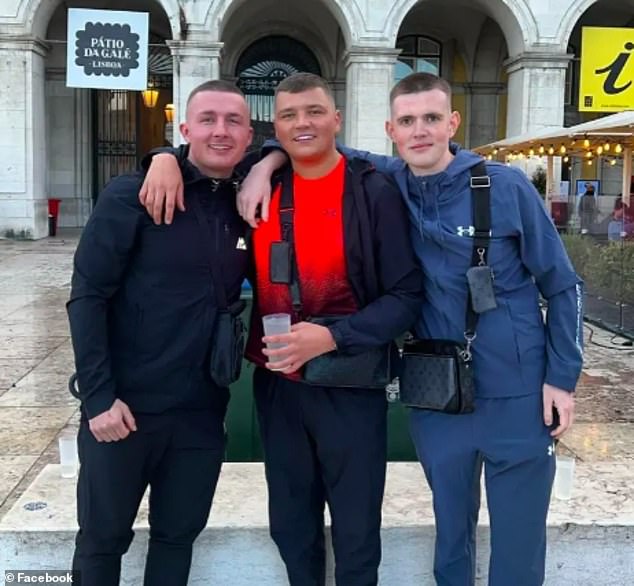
[241, 245]
[551, 450]
[468, 231]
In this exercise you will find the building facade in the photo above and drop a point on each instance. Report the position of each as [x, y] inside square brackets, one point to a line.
[513, 65]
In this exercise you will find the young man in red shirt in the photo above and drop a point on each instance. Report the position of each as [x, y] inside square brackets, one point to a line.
[328, 444]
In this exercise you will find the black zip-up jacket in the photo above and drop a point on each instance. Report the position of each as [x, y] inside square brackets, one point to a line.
[142, 304]
[384, 275]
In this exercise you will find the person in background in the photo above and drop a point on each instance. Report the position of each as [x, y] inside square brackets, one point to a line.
[588, 209]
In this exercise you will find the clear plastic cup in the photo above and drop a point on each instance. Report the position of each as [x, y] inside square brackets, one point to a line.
[68, 455]
[564, 477]
[276, 323]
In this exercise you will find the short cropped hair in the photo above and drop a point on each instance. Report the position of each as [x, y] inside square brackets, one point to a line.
[215, 85]
[415, 83]
[301, 82]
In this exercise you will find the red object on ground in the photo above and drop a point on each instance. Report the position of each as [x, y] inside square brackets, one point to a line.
[53, 206]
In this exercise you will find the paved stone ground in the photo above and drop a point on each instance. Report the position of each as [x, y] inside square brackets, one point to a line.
[36, 359]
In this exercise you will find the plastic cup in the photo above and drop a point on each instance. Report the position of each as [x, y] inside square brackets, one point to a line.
[564, 477]
[68, 455]
[276, 323]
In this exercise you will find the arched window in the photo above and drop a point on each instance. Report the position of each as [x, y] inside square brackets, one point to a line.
[418, 54]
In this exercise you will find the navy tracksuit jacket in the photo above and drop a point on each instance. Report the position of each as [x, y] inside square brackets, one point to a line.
[515, 353]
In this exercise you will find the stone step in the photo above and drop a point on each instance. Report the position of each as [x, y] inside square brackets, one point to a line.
[591, 536]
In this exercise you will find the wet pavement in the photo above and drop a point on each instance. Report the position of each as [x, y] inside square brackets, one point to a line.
[36, 360]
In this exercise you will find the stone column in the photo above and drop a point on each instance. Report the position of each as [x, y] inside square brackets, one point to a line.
[69, 147]
[536, 89]
[194, 63]
[369, 78]
[23, 205]
[482, 119]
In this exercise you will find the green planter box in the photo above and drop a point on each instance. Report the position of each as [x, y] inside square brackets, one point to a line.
[242, 428]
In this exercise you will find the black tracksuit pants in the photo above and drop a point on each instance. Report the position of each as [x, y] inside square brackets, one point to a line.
[179, 455]
[323, 445]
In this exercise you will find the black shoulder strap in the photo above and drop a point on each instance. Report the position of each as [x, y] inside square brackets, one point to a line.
[215, 263]
[481, 205]
[287, 211]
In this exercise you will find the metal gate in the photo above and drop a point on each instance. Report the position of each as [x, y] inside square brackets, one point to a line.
[118, 115]
[116, 119]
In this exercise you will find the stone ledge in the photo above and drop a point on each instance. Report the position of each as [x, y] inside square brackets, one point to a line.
[603, 495]
[590, 536]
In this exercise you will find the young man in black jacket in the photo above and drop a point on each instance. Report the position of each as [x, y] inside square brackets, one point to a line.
[142, 313]
[326, 443]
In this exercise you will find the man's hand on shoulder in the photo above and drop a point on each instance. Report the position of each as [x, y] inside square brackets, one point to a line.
[256, 188]
[113, 425]
[563, 403]
[163, 188]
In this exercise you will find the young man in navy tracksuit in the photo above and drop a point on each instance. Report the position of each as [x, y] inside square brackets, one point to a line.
[525, 369]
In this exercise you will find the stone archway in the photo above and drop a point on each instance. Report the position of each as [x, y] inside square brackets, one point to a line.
[570, 18]
[347, 15]
[38, 13]
[513, 16]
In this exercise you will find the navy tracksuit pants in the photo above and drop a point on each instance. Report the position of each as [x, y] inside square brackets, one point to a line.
[323, 445]
[179, 455]
[509, 439]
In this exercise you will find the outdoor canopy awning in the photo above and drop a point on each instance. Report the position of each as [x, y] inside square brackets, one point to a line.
[611, 136]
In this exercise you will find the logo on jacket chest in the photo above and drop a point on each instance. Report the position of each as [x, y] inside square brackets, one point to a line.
[465, 231]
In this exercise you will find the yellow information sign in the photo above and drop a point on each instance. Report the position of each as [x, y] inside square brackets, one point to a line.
[607, 69]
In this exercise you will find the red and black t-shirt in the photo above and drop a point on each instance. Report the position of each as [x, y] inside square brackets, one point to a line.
[320, 253]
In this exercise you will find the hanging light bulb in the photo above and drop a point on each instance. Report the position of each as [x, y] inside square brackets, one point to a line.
[618, 149]
[599, 150]
[531, 152]
[551, 150]
[520, 156]
[589, 162]
[541, 149]
[586, 143]
[566, 159]
[612, 162]
[495, 151]
[489, 157]
[562, 149]
[589, 155]
[606, 146]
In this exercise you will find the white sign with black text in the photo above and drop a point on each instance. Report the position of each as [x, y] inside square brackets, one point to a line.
[107, 49]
